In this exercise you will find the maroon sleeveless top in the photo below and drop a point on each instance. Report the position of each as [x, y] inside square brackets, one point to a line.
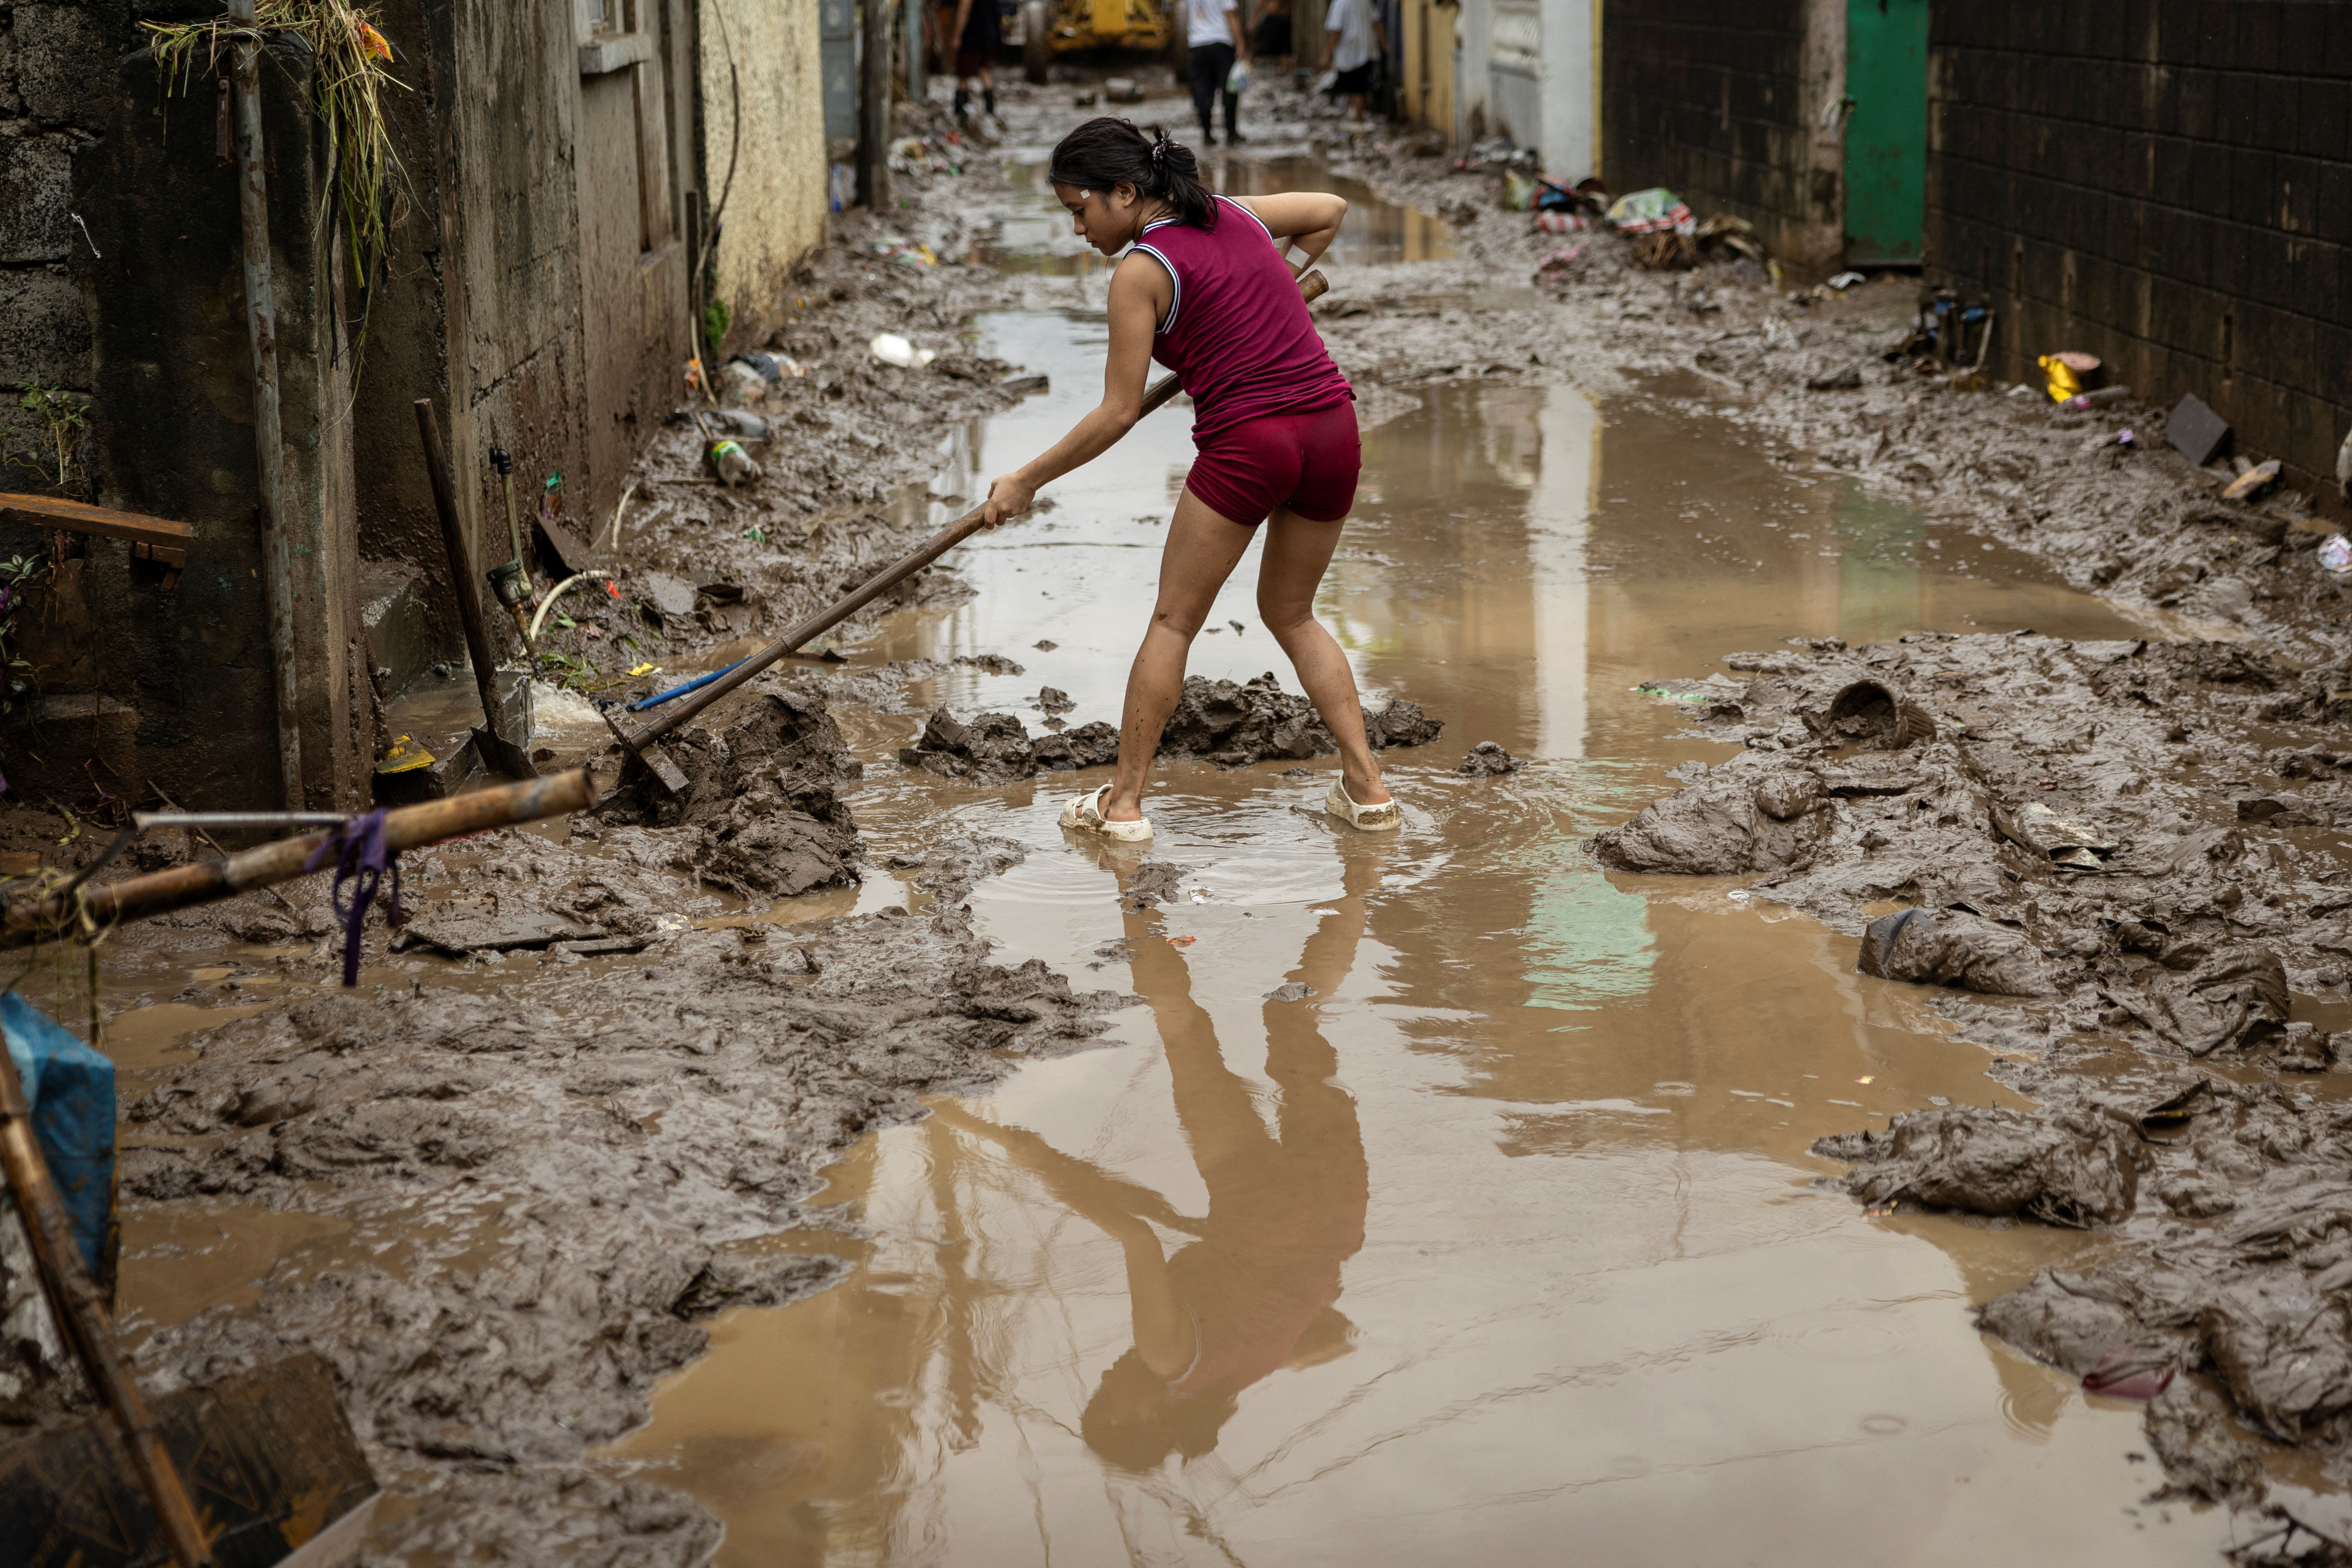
[1238, 336]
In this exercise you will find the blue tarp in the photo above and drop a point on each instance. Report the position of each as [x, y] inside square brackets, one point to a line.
[71, 1090]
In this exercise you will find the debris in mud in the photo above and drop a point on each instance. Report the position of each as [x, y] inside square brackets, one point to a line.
[1216, 722]
[989, 663]
[1487, 759]
[2076, 1169]
[1954, 947]
[1291, 991]
[1154, 883]
[1053, 699]
[784, 739]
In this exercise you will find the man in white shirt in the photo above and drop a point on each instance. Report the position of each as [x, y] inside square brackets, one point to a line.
[1215, 35]
[1357, 42]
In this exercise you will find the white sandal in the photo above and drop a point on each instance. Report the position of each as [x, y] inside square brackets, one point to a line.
[1385, 817]
[1085, 813]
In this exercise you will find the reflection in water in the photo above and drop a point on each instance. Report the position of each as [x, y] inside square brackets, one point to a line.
[1253, 1290]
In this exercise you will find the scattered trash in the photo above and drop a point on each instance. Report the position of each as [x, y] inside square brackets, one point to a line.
[1182, 941]
[741, 423]
[2124, 437]
[1562, 259]
[1845, 280]
[2098, 399]
[2196, 431]
[734, 464]
[69, 1087]
[1723, 232]
[1656, 210]
[893, 350]
[403, 756]
[2070, 843]
[1291, 991]
[1954, 947]
[2336, 553]
[741, 383]
[2126, 1373]
[2067, 373]
[1563, 223]
[2252, 482]
[1867, 1077]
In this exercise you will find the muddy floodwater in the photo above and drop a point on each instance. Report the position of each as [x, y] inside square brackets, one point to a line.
[1445, 1199]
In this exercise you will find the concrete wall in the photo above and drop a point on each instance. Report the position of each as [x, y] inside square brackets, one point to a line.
[1722, 100]
[174, 687]
[2168, 187]
[763, 151]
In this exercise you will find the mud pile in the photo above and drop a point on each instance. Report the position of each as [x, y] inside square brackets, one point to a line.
[2229, 1210]
[2114, 829]
[1215, 720]
[760, 789]
[575, 1154]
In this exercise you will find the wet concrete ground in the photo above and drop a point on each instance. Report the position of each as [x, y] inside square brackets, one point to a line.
[1505, 1231]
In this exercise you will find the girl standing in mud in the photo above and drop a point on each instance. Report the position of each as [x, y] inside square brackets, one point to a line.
[1206, 291]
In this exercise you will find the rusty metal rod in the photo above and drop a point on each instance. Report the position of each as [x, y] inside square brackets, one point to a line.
[207, 881]
[83, 1321]
[1311, 285]
[268, 434]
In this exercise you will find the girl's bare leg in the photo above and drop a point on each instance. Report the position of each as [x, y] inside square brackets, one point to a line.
[1298, 552]
[1202, 551]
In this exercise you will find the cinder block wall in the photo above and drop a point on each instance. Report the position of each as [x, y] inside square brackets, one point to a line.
[2167, 186]
[1720, 101]
[49, 56]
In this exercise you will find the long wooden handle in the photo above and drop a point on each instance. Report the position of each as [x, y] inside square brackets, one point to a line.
[1311, 288]
[83, 1319]
[207, 881]
[461, 571]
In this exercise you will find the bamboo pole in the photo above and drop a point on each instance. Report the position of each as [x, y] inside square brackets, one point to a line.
[82, 1319]
[207, 881]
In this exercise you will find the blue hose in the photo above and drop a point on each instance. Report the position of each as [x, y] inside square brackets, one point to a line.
[697, 684]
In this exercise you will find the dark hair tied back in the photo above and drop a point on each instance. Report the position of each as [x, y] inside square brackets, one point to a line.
[1108, 151]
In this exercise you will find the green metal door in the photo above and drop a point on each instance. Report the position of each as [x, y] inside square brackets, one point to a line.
[1885, 129]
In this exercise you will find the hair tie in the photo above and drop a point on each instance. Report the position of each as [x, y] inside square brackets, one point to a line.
[1160, 149]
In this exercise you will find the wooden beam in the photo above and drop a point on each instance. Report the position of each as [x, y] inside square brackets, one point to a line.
[155, 539]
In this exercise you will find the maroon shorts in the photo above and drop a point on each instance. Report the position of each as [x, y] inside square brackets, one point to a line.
[1307, 462]
[973, 62]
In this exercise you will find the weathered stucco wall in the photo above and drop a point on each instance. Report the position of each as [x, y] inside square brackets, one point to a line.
[762, 55]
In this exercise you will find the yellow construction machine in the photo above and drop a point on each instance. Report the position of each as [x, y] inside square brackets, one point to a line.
[1050, 27]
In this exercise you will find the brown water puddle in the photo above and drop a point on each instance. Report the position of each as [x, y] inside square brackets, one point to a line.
[1502, 1234]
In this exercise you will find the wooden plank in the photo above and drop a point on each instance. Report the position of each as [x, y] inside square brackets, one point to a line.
[156, 539]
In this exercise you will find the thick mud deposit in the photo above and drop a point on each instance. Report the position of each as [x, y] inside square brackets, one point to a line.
[1218, 722]
[2133, 842]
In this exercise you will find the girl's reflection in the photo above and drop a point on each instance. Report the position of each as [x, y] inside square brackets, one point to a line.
[1255, 1290]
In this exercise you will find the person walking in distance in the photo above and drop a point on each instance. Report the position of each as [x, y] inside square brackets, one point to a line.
[1271, 38]
[1207, 291]
[1357, 42]
[1215, 35]
[978, 30]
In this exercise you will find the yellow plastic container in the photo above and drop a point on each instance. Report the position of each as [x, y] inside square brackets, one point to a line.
[2068, 375]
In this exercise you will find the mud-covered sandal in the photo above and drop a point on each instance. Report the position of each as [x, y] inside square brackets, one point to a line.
[1385, 817]
[1085, 813]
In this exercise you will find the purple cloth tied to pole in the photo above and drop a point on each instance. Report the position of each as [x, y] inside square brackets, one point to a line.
[360, 858]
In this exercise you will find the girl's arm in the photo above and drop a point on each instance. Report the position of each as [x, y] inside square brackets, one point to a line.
[1141, 292]
[1307, 219]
